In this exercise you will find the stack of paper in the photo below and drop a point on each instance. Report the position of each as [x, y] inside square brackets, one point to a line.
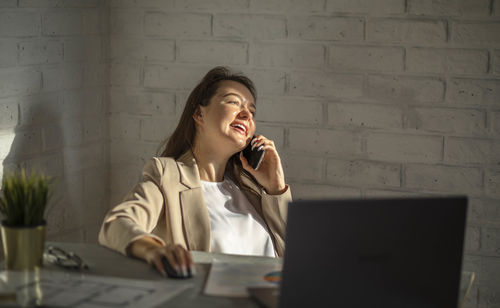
[50, 288]
[233, 279]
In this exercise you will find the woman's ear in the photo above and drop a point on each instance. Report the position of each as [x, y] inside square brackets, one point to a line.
[198, 116]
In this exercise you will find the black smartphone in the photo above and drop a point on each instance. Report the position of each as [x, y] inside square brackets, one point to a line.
[255, 156]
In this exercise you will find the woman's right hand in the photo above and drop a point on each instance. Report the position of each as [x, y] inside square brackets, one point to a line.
[152, 251]
[177, 256]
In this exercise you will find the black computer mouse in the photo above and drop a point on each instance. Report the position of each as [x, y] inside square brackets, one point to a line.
[171, 272]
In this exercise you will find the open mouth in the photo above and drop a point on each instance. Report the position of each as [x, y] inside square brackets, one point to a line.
[240, 128]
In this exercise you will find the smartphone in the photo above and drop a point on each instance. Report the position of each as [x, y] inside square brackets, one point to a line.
[255, 156]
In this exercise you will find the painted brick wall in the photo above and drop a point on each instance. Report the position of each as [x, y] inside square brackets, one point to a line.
[363, 98]
[53, 85]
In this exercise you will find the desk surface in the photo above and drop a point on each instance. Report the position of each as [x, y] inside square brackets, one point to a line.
[105, 262]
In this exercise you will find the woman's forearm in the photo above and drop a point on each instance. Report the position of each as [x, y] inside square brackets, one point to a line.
[141, 247]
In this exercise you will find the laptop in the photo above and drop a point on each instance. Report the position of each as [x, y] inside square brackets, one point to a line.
[373, 253]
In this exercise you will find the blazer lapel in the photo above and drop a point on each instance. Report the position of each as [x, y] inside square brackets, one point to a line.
[194, 212]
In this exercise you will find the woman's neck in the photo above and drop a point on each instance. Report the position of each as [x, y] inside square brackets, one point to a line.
[211, 163]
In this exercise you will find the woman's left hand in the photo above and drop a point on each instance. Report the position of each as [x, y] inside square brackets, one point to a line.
[270, 172]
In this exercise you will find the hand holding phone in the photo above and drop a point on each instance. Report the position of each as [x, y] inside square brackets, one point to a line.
[253, 156]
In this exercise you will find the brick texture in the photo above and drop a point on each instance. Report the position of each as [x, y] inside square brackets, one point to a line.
[372, 7]
[455, 61]
[363, 172]
[83, 49]
[474, 91]
[362, 98]
[52, 116]
[172, 25]
[287, 5]
[443, 178]
[365, 115]
[319, 84]
[449, 8]
[290, 110]
[405, 89]
[471, 151]
[20, 24]
[476, 33]
[8, 49]
[324, 141]
[425, 32]
[366, 58]
[496, 62]
[62, 22]
[496, 122]
[20, 81]
[152, 50]
[326, 28]
[292, 168]
[264, 27]
[232, 53]
[454, 121]
[321, 191]
[404, 148]
[288, 55]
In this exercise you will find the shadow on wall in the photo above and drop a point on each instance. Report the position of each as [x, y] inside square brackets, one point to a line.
[37, 144]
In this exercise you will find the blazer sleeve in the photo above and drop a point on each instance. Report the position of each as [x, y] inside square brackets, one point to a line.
[275, 210]
[139, 212]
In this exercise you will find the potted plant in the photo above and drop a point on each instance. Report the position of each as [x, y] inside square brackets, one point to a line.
[22, 205]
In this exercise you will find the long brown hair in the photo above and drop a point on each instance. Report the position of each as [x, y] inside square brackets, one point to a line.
[182, 138]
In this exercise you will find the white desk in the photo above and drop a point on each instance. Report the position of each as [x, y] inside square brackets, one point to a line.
[105, 262]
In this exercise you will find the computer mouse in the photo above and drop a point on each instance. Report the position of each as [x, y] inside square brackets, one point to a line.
[171, 272]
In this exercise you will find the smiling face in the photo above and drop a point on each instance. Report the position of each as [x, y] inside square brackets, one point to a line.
[227, 123]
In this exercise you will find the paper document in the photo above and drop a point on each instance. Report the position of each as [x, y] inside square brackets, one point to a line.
[233, 279]
[51, 288]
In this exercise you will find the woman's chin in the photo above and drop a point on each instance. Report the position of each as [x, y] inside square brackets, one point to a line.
[240, 145]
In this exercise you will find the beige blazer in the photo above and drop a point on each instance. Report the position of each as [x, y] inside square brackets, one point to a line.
[169, 206]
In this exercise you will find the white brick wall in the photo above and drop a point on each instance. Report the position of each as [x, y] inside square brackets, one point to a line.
[19, 23]
[249, 26]
[293, 110]
[450, 8]
[365, 115]
[454, 61]
[397, 88]
[366, 58]
[364, 173]
[362, 97]
[406, 30]
[323, 84]
[210, 51]
[373, 7]
[472, 91]
[52, 116]
[288, 55]
[404, 148]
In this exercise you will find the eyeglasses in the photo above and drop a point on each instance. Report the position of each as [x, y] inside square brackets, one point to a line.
[68, 260]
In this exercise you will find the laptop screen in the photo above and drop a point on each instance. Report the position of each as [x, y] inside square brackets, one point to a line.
[374, 253]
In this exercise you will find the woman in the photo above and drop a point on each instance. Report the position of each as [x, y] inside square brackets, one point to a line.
[201, 193]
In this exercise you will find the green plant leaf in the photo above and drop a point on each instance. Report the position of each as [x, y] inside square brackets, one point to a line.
[24, 198]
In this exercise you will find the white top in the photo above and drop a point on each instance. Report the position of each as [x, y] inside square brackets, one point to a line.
[235, 225]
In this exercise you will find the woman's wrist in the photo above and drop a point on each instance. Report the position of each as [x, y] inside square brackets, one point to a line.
[141, 247]
[277, 191]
